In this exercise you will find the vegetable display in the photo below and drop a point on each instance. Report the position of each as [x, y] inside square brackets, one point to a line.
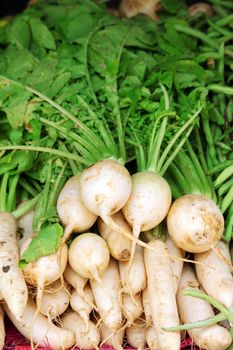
[116, 190]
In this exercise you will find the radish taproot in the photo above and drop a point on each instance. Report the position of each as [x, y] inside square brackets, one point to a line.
[193, 310]
[39, 330]
[146, 306]
[75, 280]
[132, 307]
[152, 338]
[12, 283]
[89, 255]
[214, 273]
[176, 256]
[162, 294]
[114, 339]
[75, 217]
[136, 334]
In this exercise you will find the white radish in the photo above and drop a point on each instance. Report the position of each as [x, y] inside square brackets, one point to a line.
[25, 226]
[84, 338]
[147, 307]
[83, 305]
[215, 274]
[2, 328]
[152, 338]
[119, 246]
[195, 223]
[39, 330]
[105, 188]
[108, 297]
[133, 274]
[75, 280]
[136, 334]
[45, 270]
[12, 284]
[162, 294]
[114, 339]
[75, 217]
[132, 308]
[148, 203]
[132, 8]
[55, 300]
[177, 262]
[194, 309]
[89, 255]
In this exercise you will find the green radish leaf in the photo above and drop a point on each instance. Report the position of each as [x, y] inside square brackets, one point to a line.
[41, 34]
[46, 242]
[17, 162]
[19, 33]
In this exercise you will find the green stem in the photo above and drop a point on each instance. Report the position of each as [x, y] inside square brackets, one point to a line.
[3, 192]
[26, 207]
[11, 198]
[196, 34]
[220, 89]
[24, 183]
[220, 167]
[60, 180]
[227, 200]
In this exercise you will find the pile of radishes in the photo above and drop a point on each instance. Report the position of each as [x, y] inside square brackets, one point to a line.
[105, 285]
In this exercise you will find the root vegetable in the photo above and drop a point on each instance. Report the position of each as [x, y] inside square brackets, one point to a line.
[39, 330]
[136, 334]
[107, 295]
[161, 287]
[119, 246]
[194, 309]
[195, 223]
[152, 338]
[89, 256]
[215, 275]
[114, 339]
[12, 284]
[84, 338]
[132, 307]
[147, 307]
[177, 264]
[75, 280]
[25, 226]
[73, 214]
[133, 274]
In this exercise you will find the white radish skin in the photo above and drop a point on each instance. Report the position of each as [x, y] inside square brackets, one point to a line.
[215, 275]
[147, 307]
[132, 307]
[195, 223]
[84, 339]
[133, 274]
[75, 280]
[161, 287]
[114, 339]
[83, 305]
[177, 262]
[12, 284]
[194, 309]
[39, 330]
[55, 300]
[136, 334]
[75, 217]
[132, 8]
[119, 246]
[89, 255]
[25, 226]
[105, 188]
[45, 270]
[152, 338]
[108, 298]
[2, 328]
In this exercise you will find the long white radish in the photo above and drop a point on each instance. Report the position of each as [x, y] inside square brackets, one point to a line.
[133, 274]
[39, 330]
[55, 300]
[114, 339]
[147, 307]
[132, 308]
[75, 280]
[136, 334]
[12, 284]
[148, 203]
[119, 246]
[25, 226]
[214, 273]
[162, 294]
[45, 270]
[84, 338]
[108, 297]
[89, 255]
[152, 338]
[195, 223]
[2, 328]
[177, 262]
[83, 305]
[194, 309]
[75, 217]
[105, 188]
